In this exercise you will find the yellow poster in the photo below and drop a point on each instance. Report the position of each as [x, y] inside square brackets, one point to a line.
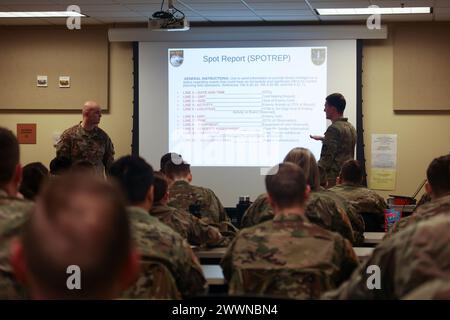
[382, 179]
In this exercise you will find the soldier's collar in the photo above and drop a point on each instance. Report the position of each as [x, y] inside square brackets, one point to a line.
[290, 216]
[342, 119]
[181, 182]
[86, 132]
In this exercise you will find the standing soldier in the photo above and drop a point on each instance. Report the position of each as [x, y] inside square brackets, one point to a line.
[86, 141]
[338, 144]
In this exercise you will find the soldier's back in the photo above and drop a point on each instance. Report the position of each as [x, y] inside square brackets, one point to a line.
[197, 200]
[14, 212]
[157, 241]
[287, 257]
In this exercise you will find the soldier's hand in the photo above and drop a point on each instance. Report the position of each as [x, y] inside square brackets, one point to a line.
[318, 138]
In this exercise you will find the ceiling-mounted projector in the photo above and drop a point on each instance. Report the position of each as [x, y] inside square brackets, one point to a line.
[170, 20]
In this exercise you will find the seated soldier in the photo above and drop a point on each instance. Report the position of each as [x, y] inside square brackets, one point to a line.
[169, 157]
[155, 240]
[410, 258]
[367, 203]
[438, 187]
[323, 208]
[33, 177]
[287, 256]
[199, 201]
[14, 211]
[77, 243]
[190, 227]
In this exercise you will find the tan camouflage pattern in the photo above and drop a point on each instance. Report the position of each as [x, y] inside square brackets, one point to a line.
[195, 231]
[338, 146]
[412, 257]
[14, 212]
[76, 143]
[424, 212]
[434, 290]
[363, 199]
[158, 242]
[321, 209]
[183, 194]
[287, 257]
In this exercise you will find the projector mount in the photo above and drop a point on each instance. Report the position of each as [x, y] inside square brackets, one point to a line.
[172, 19]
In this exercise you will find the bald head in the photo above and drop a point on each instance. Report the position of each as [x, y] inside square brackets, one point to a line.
[92, 113]
[79, 220]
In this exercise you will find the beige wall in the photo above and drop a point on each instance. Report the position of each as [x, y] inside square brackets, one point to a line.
[421, 136]
[117, 122]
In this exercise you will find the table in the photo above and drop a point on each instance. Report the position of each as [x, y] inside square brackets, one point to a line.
[363, 252]
[373, 238]
[213, 275]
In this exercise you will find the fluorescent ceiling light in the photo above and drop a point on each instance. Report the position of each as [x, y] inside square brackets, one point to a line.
[41, 14]
[372, 10]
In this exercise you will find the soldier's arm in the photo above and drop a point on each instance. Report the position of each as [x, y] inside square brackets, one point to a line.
[108, 158]
[330, 146]
[64, 146]
[227, 261]
[362, 283]
[191, 280]
[202, 233]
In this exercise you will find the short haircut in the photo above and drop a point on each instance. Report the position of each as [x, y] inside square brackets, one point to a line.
[337, 100]
[83, 166]
[351, 171]
[134, 175]
[9, 155]
[59, 165]
[160, 186]
[287, 187]
[171, 156]
[306, 160]
[175, 171]
[78, 220]
[438, 175]
[33, 177]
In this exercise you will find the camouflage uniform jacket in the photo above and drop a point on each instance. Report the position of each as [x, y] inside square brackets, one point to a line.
[412, 257]
[338, 146]
[321, 209]
[434, 290]
[425, 211]
[364, 200]
[76, 143]
[287, 257]
[183, 194]
[157, 241]
[14, 212]
[194, 230]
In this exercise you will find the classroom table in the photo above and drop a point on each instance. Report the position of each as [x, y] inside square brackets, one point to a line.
[213, 275]
[373, 238]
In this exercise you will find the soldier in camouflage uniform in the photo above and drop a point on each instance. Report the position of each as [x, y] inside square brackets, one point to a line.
[156, 241]
[199, 201]
[14, 212]
[79, 220]
[434, 290]
[287, 256]
[194, 230]
[438, 187]
[410, 258]
[367, 203]
[338, 144]
[86, 141]
[323, 208]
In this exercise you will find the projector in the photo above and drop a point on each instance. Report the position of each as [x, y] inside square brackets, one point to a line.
[168, 24]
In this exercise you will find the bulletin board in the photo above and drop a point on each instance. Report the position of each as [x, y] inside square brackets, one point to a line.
[81, 55]
[421, 67]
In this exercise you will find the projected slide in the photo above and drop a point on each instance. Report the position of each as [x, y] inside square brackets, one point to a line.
[245, 106]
